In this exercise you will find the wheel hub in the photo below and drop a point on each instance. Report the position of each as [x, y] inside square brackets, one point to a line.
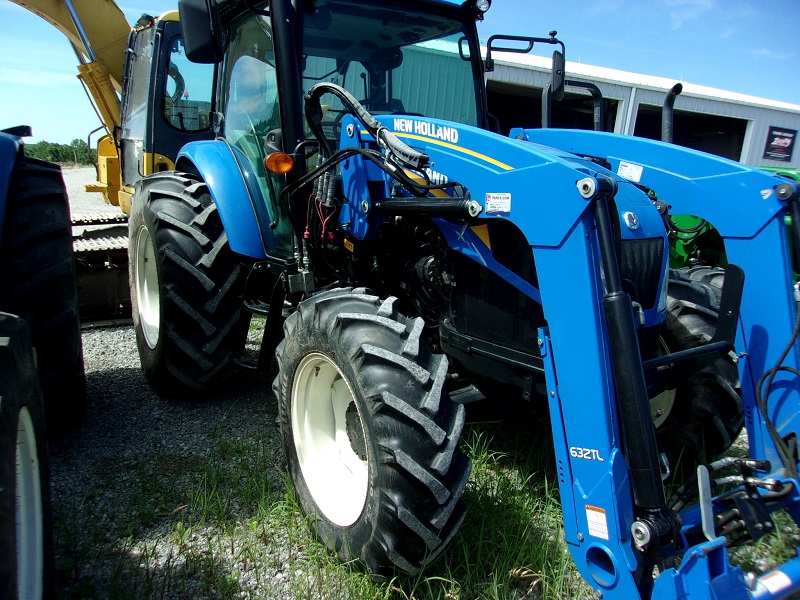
[146, 287]
[329, 439]
[29, 518]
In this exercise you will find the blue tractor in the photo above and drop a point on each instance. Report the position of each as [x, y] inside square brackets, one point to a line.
[409, 260]
[41, 358]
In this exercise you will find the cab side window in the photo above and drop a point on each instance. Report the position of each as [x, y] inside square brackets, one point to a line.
[188, 90]
[250, 110]
[250, 96]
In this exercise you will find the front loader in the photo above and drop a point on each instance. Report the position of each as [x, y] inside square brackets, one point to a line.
[408, 260]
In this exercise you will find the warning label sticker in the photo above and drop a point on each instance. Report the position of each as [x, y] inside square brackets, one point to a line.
[630, 171]
[498, 204]
[775, 582]
[596, 519]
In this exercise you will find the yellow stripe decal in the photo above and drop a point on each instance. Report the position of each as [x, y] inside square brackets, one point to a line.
[483, 157]
[482, 231]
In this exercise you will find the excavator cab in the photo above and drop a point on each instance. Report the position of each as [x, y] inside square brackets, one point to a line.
[167, 101]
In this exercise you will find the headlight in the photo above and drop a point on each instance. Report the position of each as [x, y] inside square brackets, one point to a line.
[483, 5]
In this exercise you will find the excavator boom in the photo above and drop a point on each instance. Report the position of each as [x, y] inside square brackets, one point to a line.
[98, 32]
[105, 32]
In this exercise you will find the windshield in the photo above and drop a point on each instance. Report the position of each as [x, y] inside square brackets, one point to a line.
[393, 60]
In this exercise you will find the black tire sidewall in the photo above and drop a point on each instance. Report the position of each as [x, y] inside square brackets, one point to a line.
[201, 285]
[416, 472]
[707, 413]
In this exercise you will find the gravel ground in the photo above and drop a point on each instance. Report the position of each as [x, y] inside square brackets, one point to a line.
[80, 200]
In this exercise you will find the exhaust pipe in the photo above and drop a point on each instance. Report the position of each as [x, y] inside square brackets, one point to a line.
[668, 114]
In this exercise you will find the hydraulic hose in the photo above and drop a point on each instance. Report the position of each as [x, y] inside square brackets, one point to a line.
[402, 152]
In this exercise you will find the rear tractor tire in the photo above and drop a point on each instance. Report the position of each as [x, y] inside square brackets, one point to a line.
[700, 419]
[186, 284]
[371, 443]
[39, 284]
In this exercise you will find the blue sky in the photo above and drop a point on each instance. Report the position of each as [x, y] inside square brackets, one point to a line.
[746, 46]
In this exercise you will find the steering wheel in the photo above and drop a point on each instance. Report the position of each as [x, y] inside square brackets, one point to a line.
[180, 84]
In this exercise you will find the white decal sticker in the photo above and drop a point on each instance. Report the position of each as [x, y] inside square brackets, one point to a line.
[498, 204]
[587, 453]
[766, 194]
[630, 171]
[596, 519]
[775, 582]
[441, 132]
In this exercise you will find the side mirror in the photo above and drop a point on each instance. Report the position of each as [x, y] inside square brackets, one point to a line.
[202, 30]
[557, 76]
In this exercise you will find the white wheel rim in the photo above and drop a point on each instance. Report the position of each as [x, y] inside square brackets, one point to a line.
[661, 405]
[29, 517]
[336, 477]
[146, 284]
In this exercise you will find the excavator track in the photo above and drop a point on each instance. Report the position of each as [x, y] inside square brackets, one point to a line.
[100, 244]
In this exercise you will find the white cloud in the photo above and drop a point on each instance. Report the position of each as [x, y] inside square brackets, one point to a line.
[682, 12]
[772, 54]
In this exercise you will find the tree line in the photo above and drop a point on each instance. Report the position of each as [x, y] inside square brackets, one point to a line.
[77, 151]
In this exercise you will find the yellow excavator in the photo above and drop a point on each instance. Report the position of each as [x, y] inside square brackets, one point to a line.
[166, 104]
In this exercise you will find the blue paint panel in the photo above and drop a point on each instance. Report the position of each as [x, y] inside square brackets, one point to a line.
[448, 2]
[580, 389]
[538, 178]
[226, 182]
[544, 199]
[690, 181]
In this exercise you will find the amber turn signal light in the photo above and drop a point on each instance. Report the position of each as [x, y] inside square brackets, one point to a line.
[279, 163]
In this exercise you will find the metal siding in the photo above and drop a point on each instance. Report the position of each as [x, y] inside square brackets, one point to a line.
[431, 65]
[760, 113]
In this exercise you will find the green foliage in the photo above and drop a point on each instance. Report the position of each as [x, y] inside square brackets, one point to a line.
[77, 152]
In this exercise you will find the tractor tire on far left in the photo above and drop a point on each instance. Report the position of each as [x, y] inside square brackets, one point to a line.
[37, 268]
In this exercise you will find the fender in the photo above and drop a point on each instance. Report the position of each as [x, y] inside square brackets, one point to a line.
[9, 148]
[215, 162]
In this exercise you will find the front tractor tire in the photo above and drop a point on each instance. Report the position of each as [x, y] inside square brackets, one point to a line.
[370, 440]
[186, 284]
[700, 419]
